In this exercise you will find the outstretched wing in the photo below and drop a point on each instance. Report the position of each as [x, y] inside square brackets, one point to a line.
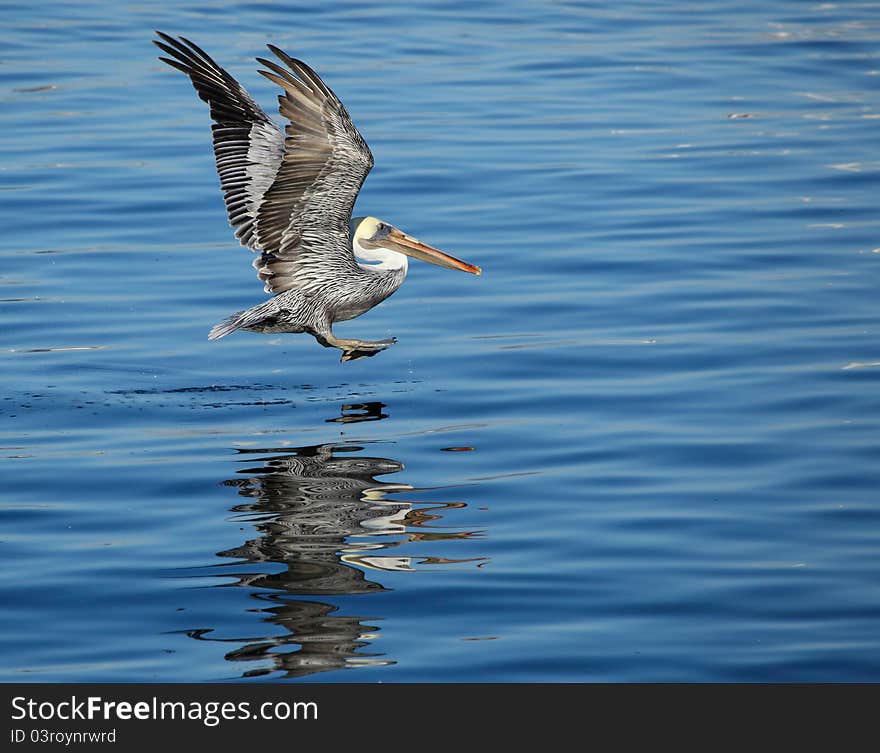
[289, 196]
[303, 218]
[248, 146]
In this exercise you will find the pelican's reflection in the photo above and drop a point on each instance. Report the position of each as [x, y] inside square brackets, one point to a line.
[322, 514]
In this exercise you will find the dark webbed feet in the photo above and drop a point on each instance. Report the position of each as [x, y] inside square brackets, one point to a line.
[365, 349]
[354, 349]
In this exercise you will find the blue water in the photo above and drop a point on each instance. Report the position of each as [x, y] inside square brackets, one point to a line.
[644, 445]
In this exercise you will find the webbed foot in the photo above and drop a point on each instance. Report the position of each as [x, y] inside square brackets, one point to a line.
[364, 348]
[353, 349]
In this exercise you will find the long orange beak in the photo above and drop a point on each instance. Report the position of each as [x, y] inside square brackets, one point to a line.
[406, 244]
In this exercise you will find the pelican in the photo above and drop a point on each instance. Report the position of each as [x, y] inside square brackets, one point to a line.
[289, 197]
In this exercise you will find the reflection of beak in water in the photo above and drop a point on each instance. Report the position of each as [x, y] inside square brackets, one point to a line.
[322, 515]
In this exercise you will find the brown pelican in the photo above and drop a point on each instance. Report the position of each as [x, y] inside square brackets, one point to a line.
[290, 196]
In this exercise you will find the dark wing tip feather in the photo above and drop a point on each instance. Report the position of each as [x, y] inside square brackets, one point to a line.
[284, 78]
[248, 146]
[175, 64]
[278, 51]
[199, 51]
[183, 56]
[191, 55]
[172, 45]
[275, 79]
[271, 65]
[307, 74]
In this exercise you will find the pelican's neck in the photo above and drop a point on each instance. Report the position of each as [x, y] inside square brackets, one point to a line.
[378, 259]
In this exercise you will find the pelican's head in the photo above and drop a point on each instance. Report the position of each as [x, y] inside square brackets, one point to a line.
[374, 240]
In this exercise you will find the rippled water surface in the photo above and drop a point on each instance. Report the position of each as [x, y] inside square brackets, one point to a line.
[644, 445]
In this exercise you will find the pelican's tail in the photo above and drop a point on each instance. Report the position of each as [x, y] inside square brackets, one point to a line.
[230, 324]
[265, 317]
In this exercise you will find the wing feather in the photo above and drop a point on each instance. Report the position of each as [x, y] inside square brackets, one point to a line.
[288, 195]
[303, 220]
[248, 146]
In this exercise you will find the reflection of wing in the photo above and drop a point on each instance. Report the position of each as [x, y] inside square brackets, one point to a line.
[248, 146]
[403, 564]
[306, 505]
[303, 220]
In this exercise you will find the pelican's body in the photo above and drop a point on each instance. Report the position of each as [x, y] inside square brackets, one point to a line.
[290, 196]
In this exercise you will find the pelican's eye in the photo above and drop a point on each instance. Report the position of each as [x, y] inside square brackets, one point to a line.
[382, 231]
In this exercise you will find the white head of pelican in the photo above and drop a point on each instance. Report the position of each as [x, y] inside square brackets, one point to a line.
[377, 241]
